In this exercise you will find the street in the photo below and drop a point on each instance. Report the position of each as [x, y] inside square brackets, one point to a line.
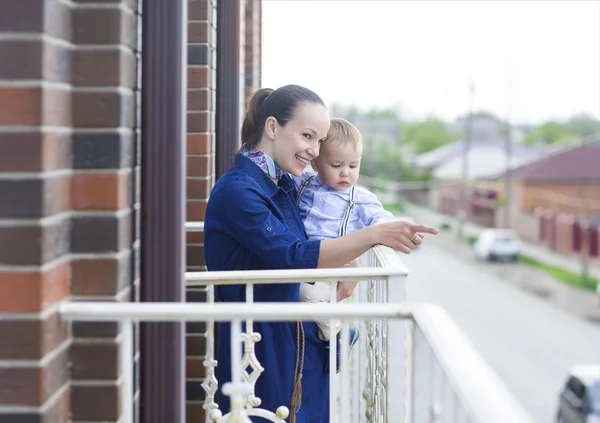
[527, 341]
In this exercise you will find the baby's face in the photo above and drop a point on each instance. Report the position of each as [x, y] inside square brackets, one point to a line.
[338, 165]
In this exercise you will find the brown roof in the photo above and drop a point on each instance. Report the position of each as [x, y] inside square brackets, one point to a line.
[580, 163]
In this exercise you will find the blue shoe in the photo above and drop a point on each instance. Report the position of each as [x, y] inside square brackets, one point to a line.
[354, 335]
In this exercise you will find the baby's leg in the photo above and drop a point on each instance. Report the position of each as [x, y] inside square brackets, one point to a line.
[319, 292]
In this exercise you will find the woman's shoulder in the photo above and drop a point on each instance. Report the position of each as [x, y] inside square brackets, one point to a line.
[233, 182]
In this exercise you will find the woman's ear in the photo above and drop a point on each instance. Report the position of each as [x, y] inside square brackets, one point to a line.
[270, 127]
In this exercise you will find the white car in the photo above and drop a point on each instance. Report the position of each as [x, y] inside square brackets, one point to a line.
[579, 400]
[497, 244]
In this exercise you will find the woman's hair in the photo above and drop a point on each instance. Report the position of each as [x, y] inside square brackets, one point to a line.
[281, 103]
[344, 133]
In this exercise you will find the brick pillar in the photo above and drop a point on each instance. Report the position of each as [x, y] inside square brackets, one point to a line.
[104, 194]
[200, 177]
[252, 47]
[202, 94]
[34, 209]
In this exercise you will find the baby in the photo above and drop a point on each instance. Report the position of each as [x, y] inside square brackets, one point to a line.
[331, 205]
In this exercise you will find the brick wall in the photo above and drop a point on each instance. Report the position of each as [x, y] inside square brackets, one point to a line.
[34, 209]
[202, 92]
[105, 200]
[252, 47]
[201, 101]
[69, 184]
[69, 203]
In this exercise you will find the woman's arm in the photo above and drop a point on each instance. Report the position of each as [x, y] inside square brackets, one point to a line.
[242, 212]
[400, 235]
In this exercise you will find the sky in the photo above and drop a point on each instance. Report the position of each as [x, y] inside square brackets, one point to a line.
[529, 61]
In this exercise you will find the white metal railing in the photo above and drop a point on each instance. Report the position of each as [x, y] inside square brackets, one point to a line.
[388, 279]
[412, 364]
[194, 226]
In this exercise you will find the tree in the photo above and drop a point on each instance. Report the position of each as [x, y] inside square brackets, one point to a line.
[382, 114]
[584, 125]
[426, 135]
[550, 132]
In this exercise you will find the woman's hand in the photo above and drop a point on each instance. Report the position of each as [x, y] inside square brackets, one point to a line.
[345, 289]
[399, 235]
[402, 235]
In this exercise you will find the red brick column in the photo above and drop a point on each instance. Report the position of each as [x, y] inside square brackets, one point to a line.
[202, 94]
[201, 102]
[104, 194]
[34, 209]
[252, 47]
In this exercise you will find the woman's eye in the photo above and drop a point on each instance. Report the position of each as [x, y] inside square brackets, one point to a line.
[307, 136]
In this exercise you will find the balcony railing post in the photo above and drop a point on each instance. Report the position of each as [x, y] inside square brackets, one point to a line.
[127, 370]
[396, 354]
[332, 361]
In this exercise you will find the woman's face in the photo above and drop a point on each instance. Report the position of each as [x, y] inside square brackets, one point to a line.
[298, 142]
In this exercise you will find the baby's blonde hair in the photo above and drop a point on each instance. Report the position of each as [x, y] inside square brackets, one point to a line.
[344, 133]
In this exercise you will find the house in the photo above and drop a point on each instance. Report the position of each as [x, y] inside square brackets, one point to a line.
[549, 199]
[563, 181]
[484, 158]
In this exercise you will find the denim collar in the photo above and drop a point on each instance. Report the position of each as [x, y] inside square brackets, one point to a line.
[263, 180]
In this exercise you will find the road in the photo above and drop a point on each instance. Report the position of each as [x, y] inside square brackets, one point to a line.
[528, 342]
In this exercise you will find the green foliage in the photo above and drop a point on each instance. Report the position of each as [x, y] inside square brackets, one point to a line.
[471, 239]
[381, 158]
[426, 135]
[445, 226]
[395, 207]
[584, 125]
[382, 114]
[550, 132]
[574, 129]
[563, 275]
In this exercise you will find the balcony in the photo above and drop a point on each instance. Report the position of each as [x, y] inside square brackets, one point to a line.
[412, 362]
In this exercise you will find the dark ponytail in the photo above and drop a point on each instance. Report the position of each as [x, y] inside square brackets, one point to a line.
[280, 103]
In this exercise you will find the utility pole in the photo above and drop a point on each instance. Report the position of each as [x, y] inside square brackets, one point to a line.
[462, 213]
[508, 151]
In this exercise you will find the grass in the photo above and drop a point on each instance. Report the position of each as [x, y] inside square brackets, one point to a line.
[563, 275]
[568, 277]
[445, 226]
[395, 207]
[471, 239]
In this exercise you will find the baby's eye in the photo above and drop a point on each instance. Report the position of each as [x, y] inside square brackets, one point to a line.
[353, 167]
[336, 166]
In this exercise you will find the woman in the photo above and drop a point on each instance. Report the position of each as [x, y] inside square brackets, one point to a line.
[252, 224]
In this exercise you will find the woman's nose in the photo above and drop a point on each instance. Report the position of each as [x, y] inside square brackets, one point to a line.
[314, 150]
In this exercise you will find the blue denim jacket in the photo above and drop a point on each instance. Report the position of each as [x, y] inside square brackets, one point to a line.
[253, 224]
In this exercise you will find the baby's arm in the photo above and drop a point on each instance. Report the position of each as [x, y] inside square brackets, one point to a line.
[370, 210]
